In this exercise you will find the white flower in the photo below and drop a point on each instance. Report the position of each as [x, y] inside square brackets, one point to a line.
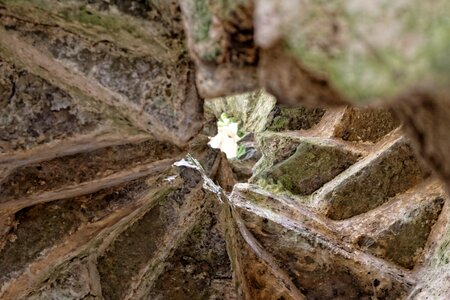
[226, 139]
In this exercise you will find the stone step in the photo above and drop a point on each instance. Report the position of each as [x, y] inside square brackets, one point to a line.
[365, 124]
[76, 280]
[398, 231]
[277, 147]
[56, 178]
[132, 227]
[199, 267]
[371, 181]
[135, 255]
[155, 87]
[314, 162]
[285, 118]
[318, 262]
[66, 147]
[37, 115]
[256, 274]
[44, 236]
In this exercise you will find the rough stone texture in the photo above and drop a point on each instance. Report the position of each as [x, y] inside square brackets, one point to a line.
[365, 125]
[319, 266]
[312, 165]
[73, 282]
[391, 228]
[94, 111]
[425, 118]
[108, 231]
[34, 111]
[83, 167]
[325, 53]
[98, 100]
[220, 39]
[283, 118]
[147, 75]
[251, 110]
[435, 277]
[371, 182]
[331, 53]
[200, 267]
[376, 245]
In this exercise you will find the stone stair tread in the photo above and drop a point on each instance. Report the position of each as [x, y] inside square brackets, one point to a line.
[45, 176]
[305, 244]
[370, 182]
[77, 229]
[155, 93]
[398, 230]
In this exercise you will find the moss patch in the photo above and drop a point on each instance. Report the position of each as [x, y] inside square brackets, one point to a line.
[404, 241]
[285, 118]
[274, 148]
[393, 172]
[311, 166]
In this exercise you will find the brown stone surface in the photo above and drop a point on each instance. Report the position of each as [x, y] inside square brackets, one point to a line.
[151, 84]
[98, 99]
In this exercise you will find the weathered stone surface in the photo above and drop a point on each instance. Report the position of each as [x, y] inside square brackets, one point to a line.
[41, 233]
[371, 182]
[357, 31]
[394, 234]
[144, 74]
[424, 113]
[34, 111]
[328, 53]
[256, 275]
[435, 275]
[313, 164]
[77, 169]
[200, 267]
[77, 280]
[131, 251]
[317, 263]
[251, 109]
[274, 148]
[399, 230]
[112, 227]
[98, 99]
[283, 118]
[365, 124]
[282, 75]
[220, 39]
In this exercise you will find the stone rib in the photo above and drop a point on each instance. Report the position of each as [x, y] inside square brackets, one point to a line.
[88, 187]
[78, 242]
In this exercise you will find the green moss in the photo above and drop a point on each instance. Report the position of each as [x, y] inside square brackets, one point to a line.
[287, 118]
[366, 67]
[90, 17]
[42, 4]
[275, 147]
[360, 77]
[201, 19]
[269, 185]
[442, 256]
[311, 166]
[278, 123]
